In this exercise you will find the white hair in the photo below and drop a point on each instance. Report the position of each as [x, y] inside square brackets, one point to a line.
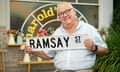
[64, 3]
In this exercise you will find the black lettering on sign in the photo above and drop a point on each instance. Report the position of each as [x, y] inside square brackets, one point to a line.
[38, 44]
[52, 42]
[77, 39]
[66, 41]
[59, 43]
[46, 43]
[53, 45]
[32, 43]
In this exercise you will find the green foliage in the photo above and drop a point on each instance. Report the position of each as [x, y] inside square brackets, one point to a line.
[50, 30]
[111, 61]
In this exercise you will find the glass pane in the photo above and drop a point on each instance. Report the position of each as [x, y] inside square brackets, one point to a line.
[46, 0]
[90, 13]
[88, 1]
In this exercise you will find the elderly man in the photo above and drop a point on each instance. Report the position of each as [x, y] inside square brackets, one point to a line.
[78, 60]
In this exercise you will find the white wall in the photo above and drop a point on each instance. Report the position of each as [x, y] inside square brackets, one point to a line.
[4, 13]
[105, 13]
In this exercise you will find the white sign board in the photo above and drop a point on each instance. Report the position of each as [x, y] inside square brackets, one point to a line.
[57, 42]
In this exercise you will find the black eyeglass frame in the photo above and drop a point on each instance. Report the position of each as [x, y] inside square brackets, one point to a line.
[64, 12]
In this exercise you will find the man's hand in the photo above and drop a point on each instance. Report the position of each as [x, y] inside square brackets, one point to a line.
[26, 48]
[89, 44]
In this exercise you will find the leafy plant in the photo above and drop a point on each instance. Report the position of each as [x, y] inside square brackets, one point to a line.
[111, 61]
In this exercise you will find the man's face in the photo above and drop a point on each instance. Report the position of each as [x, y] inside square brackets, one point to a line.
[66, 14]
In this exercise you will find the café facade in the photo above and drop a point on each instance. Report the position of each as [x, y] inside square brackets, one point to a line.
[28, 16]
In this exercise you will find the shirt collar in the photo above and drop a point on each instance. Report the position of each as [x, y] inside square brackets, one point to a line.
[79, 25]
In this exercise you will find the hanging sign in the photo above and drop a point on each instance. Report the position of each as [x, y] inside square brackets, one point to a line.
[56, 42]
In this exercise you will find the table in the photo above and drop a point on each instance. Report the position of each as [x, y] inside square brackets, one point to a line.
[35, 62]
[2, 61]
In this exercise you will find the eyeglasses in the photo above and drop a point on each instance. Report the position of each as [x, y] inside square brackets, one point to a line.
[61, 14]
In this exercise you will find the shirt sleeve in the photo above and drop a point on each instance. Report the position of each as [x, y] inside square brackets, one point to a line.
[97, 39]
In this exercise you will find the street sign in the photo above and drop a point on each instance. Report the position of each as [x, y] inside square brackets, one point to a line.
[57, 42]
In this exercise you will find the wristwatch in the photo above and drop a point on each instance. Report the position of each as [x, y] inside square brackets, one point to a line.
[96, 48]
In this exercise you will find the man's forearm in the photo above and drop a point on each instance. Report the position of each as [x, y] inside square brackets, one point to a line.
[101, 50]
